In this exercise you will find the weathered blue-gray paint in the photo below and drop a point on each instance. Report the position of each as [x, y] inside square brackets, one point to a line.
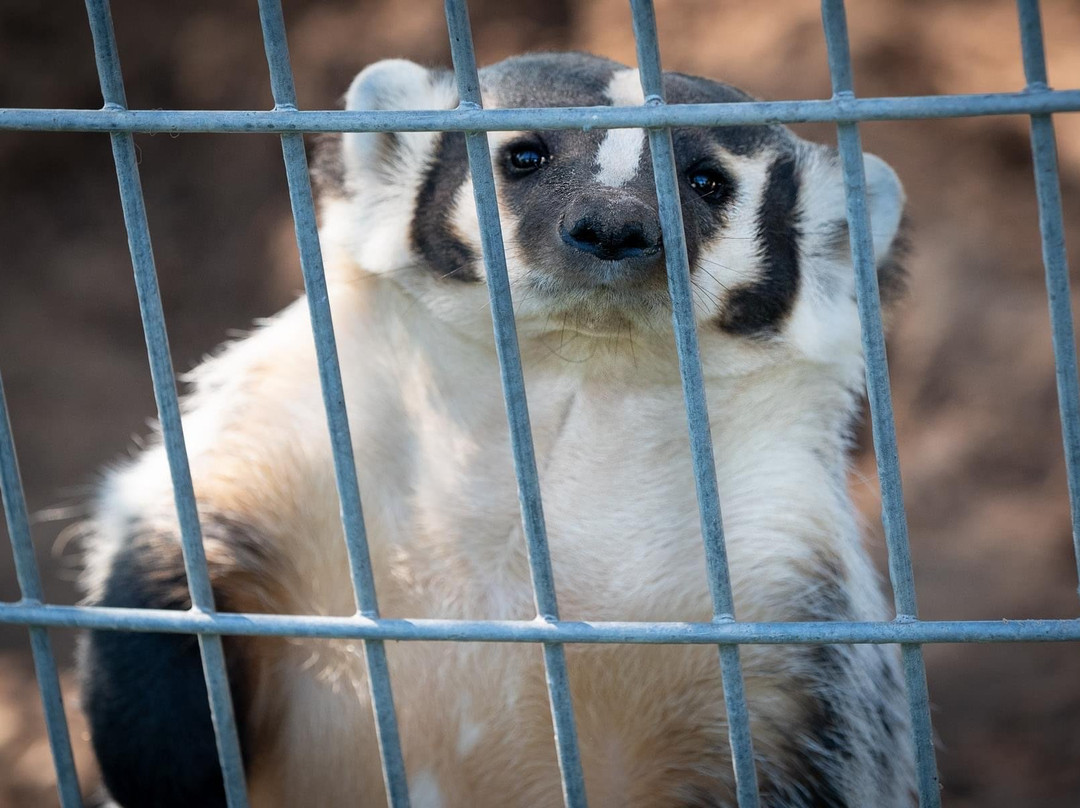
[475, 120]
[358, 627]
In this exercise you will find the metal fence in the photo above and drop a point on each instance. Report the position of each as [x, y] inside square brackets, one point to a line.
[1037, 100]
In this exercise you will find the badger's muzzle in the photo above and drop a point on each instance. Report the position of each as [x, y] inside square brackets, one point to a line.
[614, 235]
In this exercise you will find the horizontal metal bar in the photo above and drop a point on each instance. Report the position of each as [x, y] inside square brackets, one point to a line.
[475, 120]
[535, 631]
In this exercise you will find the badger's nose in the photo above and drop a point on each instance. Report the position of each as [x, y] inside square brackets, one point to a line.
[611, 228]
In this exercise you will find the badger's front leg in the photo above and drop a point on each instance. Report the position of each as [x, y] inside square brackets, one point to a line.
[144, 694]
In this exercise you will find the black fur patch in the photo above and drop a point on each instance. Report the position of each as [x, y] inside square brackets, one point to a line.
[759, 308]
[432, 232]
[826, 734]
[144, 694]
[820, 749]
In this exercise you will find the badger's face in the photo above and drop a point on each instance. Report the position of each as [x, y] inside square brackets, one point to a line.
[763, 211]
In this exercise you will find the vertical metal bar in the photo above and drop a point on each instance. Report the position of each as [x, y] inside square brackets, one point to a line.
[30, 588]
[517, 410]
[697, 413]
[1051, 225]
[352, 516]
[877, 385]
[161, 370]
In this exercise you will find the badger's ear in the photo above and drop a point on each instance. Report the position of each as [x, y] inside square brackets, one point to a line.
[393, 84]
[825, 214]
[885, 196]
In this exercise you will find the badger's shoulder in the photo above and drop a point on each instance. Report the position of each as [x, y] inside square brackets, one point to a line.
[255, 439]
[246, 413]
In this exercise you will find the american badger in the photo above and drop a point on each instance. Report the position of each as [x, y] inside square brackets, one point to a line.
[773, 291]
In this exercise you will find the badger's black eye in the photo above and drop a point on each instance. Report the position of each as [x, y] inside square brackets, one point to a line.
[705, 180]
[526, 157]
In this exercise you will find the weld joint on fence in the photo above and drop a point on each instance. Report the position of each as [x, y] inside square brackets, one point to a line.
[112, 106]
[468, 106]
[287, 106]
[1038, 87]
[654, 100]
[846, 107]
[724, 618]
[906, 619]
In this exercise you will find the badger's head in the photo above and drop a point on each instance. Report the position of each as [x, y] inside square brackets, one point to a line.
[764, 213]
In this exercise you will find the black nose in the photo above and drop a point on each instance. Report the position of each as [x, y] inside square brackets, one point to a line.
[611, 229]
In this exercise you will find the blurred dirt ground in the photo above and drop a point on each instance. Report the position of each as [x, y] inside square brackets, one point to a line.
[970, 353]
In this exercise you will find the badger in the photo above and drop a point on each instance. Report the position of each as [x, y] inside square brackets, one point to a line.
[773, 293]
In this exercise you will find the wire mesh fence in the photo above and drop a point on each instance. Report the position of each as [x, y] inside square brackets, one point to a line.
[724, 631]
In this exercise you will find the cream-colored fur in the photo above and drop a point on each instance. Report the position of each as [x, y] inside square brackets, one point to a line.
[436, 476]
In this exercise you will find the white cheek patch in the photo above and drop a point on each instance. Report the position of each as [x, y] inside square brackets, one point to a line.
[619, 156]
[733, 258]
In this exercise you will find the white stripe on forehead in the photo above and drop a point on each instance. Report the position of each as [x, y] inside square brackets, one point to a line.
[619, 155]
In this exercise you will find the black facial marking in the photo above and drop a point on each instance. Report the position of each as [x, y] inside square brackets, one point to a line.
[144, 694]
[432, 231]
[758, 308]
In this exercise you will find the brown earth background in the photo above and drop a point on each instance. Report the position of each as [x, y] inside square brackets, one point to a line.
[970, 354]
